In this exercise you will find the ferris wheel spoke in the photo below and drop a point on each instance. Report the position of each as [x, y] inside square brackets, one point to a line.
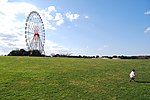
[30, 32]
[40, 33]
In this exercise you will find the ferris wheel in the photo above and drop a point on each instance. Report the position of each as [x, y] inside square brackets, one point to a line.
[35, 32]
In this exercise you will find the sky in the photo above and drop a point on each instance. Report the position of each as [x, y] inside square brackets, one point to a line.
[79, 27]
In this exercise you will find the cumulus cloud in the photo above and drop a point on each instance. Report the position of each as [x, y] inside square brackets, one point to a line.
[46, 15]
[12, 24]
[48, 18]
[148, 12]
[59, 18]
[51, 9]
[147, 29]
[72, 16]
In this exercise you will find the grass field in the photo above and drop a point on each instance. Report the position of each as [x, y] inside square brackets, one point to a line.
[73, 79]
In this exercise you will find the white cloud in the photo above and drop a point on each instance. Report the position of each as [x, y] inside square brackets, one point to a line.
[58, 23]
[147, 29]
[12, 30]
[51, 9]
[59, 18]
[48, 18]
[86, 17]
[48, 25]
[3, 1]
[46, 15]
[148, 12]
[51, 47]
[71, 16]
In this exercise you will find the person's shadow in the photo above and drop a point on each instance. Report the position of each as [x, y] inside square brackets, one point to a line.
[144, 82]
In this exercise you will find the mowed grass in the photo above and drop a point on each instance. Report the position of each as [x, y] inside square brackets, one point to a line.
[43, 78]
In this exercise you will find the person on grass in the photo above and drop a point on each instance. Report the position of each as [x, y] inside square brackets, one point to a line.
[132, 75]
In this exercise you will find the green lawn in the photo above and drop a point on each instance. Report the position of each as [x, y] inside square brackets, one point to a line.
[44, 78]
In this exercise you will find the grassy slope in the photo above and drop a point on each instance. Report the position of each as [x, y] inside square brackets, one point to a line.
[65, 78]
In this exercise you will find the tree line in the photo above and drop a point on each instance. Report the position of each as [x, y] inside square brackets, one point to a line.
[23, 52]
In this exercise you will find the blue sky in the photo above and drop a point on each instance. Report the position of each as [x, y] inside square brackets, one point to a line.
[81, 27]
